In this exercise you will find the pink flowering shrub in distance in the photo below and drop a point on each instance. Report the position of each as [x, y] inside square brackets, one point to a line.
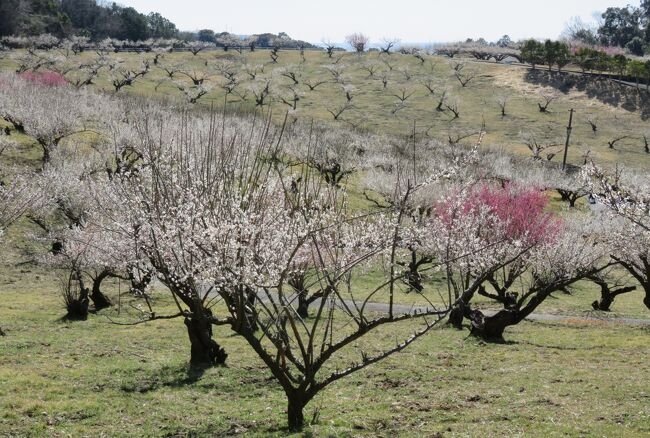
[519, 211]
[46, 78]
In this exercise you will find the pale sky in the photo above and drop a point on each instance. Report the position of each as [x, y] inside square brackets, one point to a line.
[409, 20]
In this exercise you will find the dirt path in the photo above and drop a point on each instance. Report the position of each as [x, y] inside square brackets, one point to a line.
[405, 309]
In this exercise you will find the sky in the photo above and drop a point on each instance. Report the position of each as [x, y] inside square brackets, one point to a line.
[408, 20]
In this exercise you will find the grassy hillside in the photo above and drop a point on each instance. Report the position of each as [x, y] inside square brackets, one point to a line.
[616, 110]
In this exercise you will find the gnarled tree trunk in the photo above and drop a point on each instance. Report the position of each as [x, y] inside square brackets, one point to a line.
[491, 328]
[456, 315]
[204, 352]
[76, 302]
[100, 301]
[607, 295]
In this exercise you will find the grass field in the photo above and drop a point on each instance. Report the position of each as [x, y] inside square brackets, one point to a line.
[94, 378]
[575, 378]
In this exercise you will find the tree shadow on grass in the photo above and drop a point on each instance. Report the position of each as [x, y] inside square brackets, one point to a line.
[550, 347]
[168, 376]
[233, 429]
[602, 89]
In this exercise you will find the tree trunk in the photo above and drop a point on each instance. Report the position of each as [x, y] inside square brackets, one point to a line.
[205, 352]
[491, 328]
[604, 303]
[295, 415]
[303, 304]
[47, 154]
[413, 277]
[457, 314]
[607, 295]
[100, 301]
[76, 304]
[297, 281]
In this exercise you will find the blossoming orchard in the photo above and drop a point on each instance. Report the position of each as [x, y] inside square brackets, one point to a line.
[218, 194]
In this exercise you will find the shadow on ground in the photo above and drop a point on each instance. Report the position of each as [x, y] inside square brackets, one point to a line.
[167, 376]
[602, 89]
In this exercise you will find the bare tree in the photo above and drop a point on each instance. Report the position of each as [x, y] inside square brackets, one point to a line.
[385, 77]
[465, 76]
[537, 147]
[611, 286]
[612, 143]
[337, 111]
[388, 44]
[336, 70]
[196, 92]
[388, 64]
[371, 68]
[292, 99]
[593, 123]
[198, 77]
[502, 101]
[261, 91]
[253, 70]
[452, 105]
[357, 41]
[196, 47]
[548, 99]
[329, 47]
[430, 86]
[406, 72]
[442, 100]
[403, 94]
[313, 84]
[290, 72]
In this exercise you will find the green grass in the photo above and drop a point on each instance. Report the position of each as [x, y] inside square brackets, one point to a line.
[67, 379]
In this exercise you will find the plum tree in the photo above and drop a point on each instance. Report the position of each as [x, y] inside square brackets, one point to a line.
[357, 41]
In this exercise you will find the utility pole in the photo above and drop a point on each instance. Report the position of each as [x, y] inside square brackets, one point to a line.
[415, 178]
[568, 137]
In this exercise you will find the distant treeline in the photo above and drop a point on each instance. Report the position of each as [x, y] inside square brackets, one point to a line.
[99, 20]
[627, 27]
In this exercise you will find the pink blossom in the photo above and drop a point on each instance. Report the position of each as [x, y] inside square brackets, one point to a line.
[519, 211]
[47, 78]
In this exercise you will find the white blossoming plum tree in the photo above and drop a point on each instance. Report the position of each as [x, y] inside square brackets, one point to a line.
[227, 224]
